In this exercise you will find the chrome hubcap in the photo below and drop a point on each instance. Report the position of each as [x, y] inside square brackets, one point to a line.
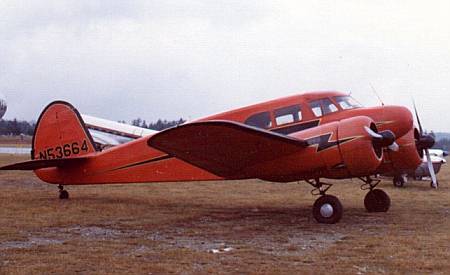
[326, 210]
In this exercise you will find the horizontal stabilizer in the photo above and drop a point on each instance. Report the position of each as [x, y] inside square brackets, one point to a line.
[116, 128]
[224, 148]
[43, 163]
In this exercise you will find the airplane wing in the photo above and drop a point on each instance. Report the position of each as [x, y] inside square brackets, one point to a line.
[111, 133]
[224, 148]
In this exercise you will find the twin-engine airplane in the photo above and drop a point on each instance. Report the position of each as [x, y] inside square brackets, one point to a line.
[304, 137]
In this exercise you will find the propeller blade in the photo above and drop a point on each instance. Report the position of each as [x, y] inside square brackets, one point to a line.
[394, 147]
[372, 133]
[417, 117]
[426, 142]
[431, 169]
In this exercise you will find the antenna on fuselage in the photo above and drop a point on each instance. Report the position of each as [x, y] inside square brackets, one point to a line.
[375, 92]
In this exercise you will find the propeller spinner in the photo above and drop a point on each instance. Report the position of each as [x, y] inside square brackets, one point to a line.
[383, 139]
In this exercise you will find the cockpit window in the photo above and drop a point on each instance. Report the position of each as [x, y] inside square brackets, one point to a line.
[288, 115]
[260, 120]
[347, 102]
[322, 107]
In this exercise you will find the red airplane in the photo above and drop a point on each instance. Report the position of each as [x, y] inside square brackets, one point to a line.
[306, 137]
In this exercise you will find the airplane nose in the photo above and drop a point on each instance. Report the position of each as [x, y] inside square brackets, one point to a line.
[398, 119]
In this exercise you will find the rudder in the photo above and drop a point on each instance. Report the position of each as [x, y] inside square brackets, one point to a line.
[61, 133]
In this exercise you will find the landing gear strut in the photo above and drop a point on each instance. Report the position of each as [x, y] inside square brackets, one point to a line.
[326, 209]
[63, 194]
[376, 200]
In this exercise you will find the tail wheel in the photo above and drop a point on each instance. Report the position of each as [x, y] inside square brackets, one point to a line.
[327, 209]
[63, 195]
[377, 201]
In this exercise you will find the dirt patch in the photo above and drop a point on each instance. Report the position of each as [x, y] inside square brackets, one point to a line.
[30, 242]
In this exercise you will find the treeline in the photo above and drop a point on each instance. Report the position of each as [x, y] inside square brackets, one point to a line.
[20, 127]
[158, 125]
[16, 127]
[443, 144]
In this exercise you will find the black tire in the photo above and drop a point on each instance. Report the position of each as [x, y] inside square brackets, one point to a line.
[327, 201]
[398, 181]
[431, 184]
[63, 195]
[377, 201]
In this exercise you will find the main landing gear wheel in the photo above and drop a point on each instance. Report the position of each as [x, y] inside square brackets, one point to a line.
[63, 194]
[377, 201]
[398, 181]
[327, 209]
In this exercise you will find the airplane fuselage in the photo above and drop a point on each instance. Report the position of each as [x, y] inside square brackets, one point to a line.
[330, 121]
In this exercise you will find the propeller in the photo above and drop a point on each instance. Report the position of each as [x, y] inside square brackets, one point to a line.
[425, 142]
[383, 139]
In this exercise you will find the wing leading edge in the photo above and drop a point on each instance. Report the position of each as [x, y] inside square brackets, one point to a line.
[224, 148]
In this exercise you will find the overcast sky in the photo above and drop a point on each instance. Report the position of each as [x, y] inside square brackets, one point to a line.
[178, 58]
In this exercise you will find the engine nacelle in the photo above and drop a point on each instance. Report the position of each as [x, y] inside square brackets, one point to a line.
[336, 150]
[359, 153]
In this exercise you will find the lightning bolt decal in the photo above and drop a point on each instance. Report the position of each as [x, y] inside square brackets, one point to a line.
[324, 142]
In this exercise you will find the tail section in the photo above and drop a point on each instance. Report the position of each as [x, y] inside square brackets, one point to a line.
[61, 134]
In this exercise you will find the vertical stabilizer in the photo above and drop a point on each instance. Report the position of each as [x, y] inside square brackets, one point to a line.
[61, 133]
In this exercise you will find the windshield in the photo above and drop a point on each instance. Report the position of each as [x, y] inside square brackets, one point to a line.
[347, 102]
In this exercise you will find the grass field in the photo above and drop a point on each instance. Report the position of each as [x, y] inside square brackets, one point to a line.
[15, 141]
[254, 227]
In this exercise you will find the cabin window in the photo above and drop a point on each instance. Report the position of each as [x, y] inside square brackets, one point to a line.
[315, 107]
[260, 120]
[322, 107]
[288, 115]
[347, 102]
[328, 106]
